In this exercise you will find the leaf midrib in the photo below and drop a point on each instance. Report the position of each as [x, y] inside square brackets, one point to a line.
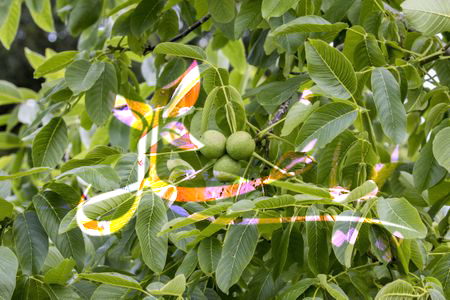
[47, 146]
[332, 71]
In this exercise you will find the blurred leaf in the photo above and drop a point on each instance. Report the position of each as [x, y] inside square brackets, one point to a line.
[441, 146]
[10, 24]
[275, 8]
[84, 14]
[55, 63]
[8, 271]
[222, 11]
[145, 16]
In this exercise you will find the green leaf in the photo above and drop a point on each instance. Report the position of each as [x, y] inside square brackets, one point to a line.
[441, 146]
[298, 113]
[6, 209]
[309, 24]
[398, 289]
[238, 249]
[333, 289]
[302, 188]
[363, 190]
[249, 16]
[4, 9]
[182, 50]
[404, 218]
[60, 274]
[222, 11]
[31, 242]
[69, 221]
[275, 8]
[317, 236]
[324, 124]
[330, 69]
[9, 141]
[235, 52]
[209, 253]
[109, 292]
[43, 17]
[81, 75]
[112, 278]
[102, 177]
[51, 209]
[196, 217]
[344, 237]
[151, 218]
[25, 173]
[441, 270]
[298, 288]
[189, 263]
[10, 25]
[386, 95]
[368, 53]
[175, 287]
[84, 14]
[353, 37]
[427, 172]
[8, 271]
[50, 143]
[271, 95]
[430, 17]
[55, 63]
[100, 97]
[145, 16]
[338, 10]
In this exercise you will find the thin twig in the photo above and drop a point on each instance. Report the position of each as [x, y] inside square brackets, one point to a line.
[183, 34]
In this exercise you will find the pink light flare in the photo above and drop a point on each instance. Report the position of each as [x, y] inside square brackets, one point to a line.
[339, 237]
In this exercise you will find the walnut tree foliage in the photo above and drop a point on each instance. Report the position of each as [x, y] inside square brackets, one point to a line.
[378, 77]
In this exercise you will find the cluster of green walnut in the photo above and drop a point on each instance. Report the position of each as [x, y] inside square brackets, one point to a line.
[228, 151]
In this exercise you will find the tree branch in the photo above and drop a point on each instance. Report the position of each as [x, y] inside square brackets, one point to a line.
[182, 34]
[435, 56]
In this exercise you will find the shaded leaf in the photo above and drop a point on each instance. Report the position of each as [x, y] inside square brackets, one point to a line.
[238, 250]
[50, 143]
[31, 242]
[151, 218]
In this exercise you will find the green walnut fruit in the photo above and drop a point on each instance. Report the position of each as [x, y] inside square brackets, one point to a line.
[240, 145]
[214, 144]
[226, 169]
